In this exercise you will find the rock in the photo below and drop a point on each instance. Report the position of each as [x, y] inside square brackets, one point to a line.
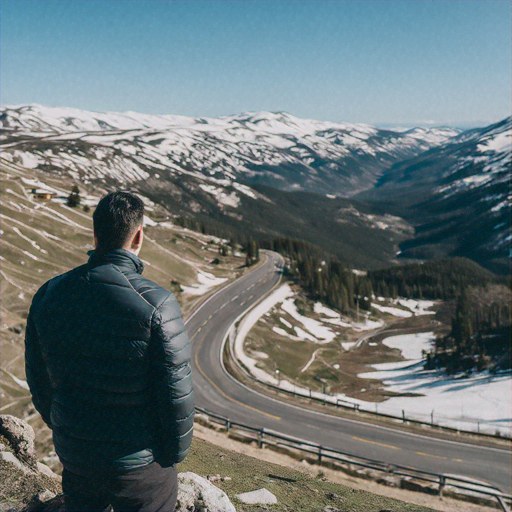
[26, 483]
[10, 457]
[30, 486]
[258, 497]
[42, 497]
[43, 468]
[196, 493]
[45, 502]
[21, 437]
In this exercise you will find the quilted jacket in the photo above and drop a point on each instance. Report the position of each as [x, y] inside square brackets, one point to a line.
[108, 365]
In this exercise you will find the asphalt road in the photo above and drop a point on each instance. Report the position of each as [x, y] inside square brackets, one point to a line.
[222, 394]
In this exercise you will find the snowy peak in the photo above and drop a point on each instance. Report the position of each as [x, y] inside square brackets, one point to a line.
[434, 136]
[39, 118]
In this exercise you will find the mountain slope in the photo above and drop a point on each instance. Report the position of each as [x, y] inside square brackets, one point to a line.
[269, 148]
[457, 195]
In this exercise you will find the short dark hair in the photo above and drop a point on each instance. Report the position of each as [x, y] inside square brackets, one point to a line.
[116, 218]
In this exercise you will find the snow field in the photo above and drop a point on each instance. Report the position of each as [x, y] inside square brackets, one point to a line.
[479, 402]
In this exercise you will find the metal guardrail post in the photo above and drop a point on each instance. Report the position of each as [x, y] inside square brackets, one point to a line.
[442, 483]
[228, 425]
[403, 416]
[320, 455]
[261, 433]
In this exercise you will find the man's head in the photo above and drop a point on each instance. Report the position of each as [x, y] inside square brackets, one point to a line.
[118, 222]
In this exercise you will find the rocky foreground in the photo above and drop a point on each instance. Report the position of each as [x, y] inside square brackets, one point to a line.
[29, 485]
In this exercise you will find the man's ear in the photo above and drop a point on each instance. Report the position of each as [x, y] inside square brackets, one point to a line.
[137, 238]
[95, 240]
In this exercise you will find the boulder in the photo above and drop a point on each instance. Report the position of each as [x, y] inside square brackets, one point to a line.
[25, 482]
[197, 494]
[20, 436]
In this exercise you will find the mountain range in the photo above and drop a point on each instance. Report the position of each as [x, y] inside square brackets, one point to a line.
[355, 190]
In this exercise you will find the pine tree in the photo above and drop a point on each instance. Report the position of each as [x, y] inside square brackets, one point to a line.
[74, 198]
[462, 329]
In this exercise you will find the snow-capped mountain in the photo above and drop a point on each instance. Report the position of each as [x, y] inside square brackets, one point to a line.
[458, 195]
[240, 171]
[275, 149]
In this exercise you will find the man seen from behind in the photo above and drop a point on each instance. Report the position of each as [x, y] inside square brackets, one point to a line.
[108, 365]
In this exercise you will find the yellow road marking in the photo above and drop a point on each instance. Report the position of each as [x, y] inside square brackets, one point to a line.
[375, 442]
[458, 460]
[430, 455]
[228, 397]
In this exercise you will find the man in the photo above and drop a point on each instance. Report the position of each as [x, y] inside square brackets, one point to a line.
[108, 365]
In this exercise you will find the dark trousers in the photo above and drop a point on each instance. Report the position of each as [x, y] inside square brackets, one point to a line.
[148, 489]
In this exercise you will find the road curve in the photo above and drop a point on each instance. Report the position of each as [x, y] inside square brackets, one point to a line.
[220, 393]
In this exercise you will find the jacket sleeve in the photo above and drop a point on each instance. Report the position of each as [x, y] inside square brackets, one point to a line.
[170, 355]
[38, 379]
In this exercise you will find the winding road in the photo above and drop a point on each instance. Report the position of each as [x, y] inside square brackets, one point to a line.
[220, 393]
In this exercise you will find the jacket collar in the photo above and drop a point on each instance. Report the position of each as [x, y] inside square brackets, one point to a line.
[120, 257]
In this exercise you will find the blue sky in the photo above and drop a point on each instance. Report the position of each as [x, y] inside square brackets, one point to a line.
[371, 61]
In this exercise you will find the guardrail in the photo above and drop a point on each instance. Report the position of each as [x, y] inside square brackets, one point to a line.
[355, 407]
[440, 482]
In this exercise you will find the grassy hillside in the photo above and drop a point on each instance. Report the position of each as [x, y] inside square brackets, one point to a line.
[294, 490]
[44, 238]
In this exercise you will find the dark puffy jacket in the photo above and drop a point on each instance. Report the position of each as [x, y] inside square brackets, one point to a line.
[108, 365]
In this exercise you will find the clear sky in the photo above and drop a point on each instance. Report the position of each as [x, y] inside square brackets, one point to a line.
[370, 61]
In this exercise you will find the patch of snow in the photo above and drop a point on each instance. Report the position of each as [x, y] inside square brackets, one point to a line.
[499, 142]
[410, 345]
[367, 325]
[246, 325]
[418, 307]
[285, 322]
[206, 282]
[320, 333]
[261, 355]
[34, 244]
[393, 311]
[303, 335]
[30, 255]
[320, 309]
[280, 331]
[310, 362]
[148, 221]
[481, 402]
